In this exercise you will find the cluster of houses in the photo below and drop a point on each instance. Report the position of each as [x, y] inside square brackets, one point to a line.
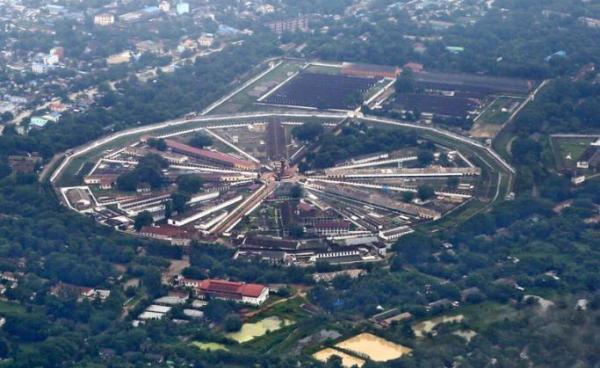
[193, 296]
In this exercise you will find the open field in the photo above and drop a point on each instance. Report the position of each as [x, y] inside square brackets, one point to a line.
[567, 150]
[324, 69]
[374, 347]
[210, 346]
[322, 91]
[495, 115]
[499, 110]
[472, 85]
[348, 360]
[435, 104]
[246, 98]
[423, 328]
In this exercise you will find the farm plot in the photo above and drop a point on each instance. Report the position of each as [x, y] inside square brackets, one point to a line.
[322, 91]
[436, 104]
[471, 85]
[495, 115]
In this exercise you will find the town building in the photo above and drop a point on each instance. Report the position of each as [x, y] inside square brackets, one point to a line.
[24, 164]
[265, 9]
[590, 22]
[590, 157]
[299, 24]
[40, 68]
[182, 8]
[206, 40]
[212, 157]
[172, 234]
[164, 6]
[370, 70]
[104, 19]
[37, 122]
[253, 294]
[120, 58]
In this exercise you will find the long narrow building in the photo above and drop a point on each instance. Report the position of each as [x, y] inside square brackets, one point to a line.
[209, 156]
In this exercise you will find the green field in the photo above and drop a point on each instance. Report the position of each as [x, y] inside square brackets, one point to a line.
[245, 100]
[498, 111]
[568, 150]
[312, 68]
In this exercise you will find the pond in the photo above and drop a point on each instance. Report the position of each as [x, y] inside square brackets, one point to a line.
[250, 331]
[423, 328]
[209, 346]
[374, 347]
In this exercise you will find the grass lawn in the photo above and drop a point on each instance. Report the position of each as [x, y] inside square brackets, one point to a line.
[498, 111]
[244, 101]
[324, 69]
[478, 316]
[569, 147]
[10, 309]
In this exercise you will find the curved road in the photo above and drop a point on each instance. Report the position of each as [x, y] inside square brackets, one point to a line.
[264, 115]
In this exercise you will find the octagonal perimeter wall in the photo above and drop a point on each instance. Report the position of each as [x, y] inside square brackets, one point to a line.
[74, 160]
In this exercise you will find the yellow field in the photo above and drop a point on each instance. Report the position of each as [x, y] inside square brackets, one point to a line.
[373, 347]
[348, 361]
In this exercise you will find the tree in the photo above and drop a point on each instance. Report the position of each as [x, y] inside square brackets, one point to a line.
[5, 170]
[148, 170]
[232, 323]
[189, 183]
[452, 182]
[407, 197]
[334, 361]
[296, 191]
[425, 192]
[405, 82]
[152, 281]
[128, 182]
[6, 116]
[308, 131]
[158, 144]
[296, 231]
[180, 200]
[217, 310]
[28, 327]
[144, 218]
[425, 157]
[201, 140]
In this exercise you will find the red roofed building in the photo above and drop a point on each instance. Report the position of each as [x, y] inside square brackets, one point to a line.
[213, 157]
[414, 67]
[172, 234]
[370, 70]
[254, 294]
